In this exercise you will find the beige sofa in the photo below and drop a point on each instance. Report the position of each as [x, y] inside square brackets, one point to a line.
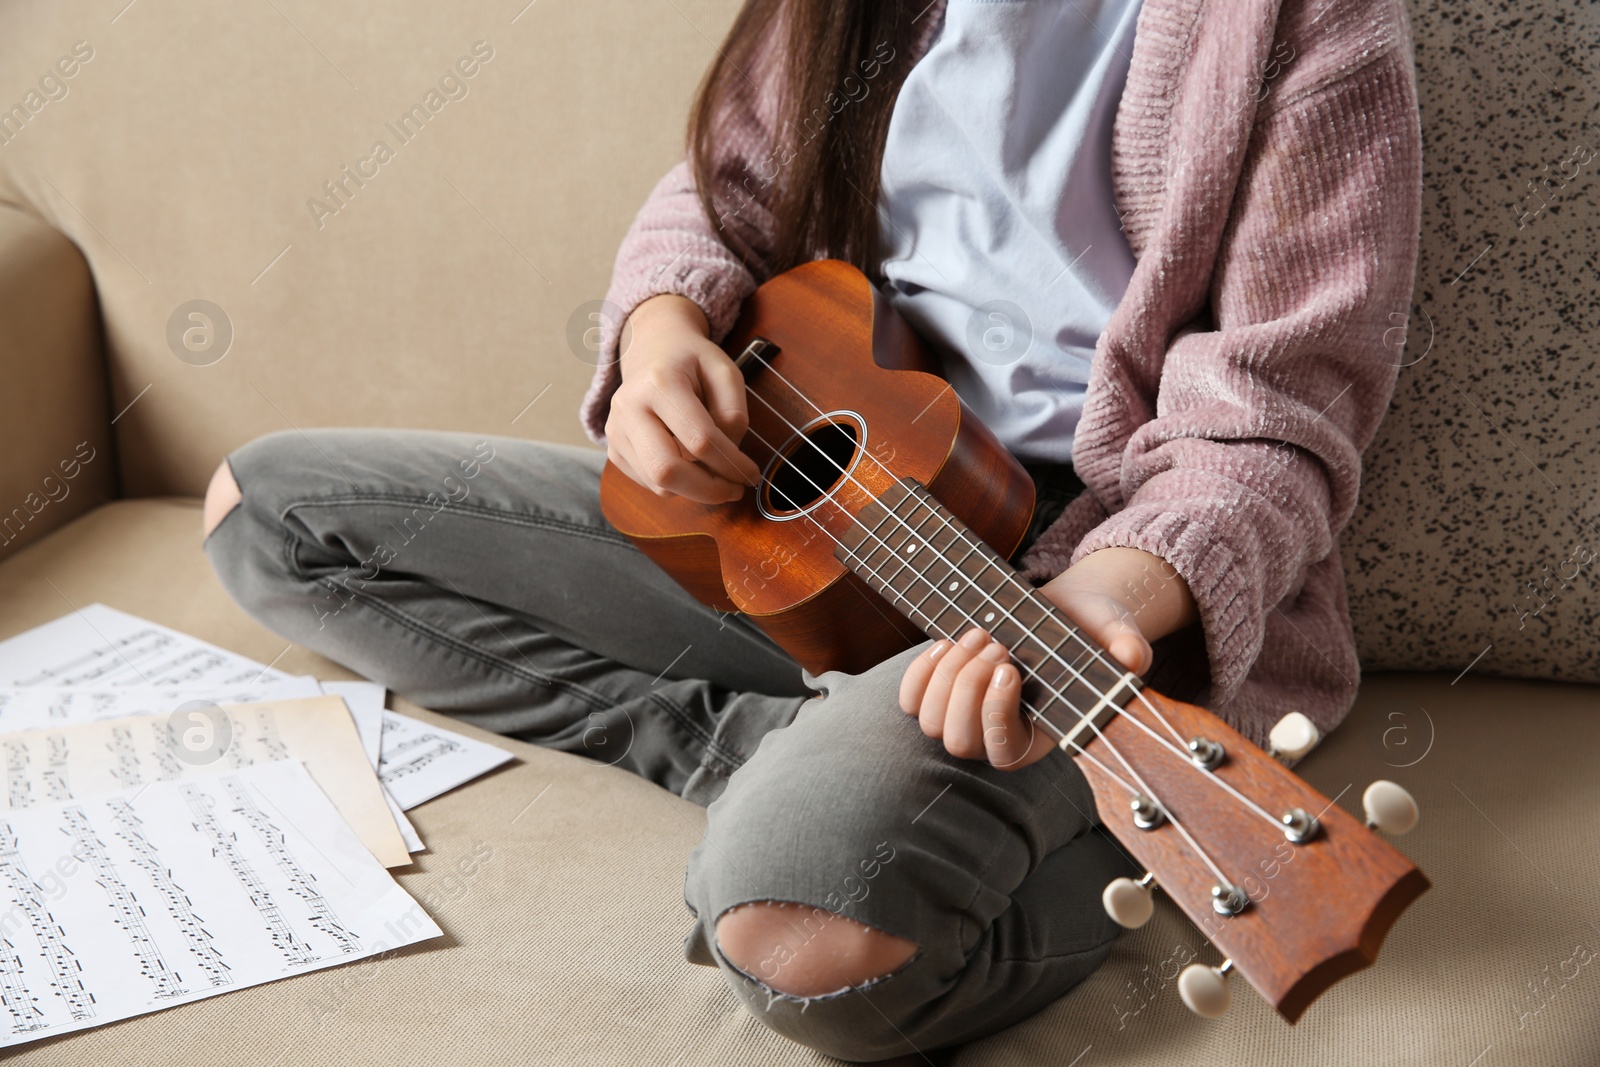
[183, 159]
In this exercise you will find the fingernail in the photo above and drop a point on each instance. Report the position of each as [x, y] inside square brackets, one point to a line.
[1003, 677]
[995, 652]
[938, 649]
[974, 638]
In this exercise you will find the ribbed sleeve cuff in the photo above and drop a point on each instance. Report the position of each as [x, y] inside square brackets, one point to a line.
[1224, 581]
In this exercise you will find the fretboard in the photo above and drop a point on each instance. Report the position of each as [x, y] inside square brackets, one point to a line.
[941, 576]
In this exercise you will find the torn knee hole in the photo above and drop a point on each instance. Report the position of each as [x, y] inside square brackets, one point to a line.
[222, 496]
[806, 951]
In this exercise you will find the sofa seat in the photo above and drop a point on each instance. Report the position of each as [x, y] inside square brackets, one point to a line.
[563, 945]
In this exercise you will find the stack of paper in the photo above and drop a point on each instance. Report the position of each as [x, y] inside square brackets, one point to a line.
[178, 821]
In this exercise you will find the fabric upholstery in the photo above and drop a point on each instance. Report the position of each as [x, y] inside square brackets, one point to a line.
[1507, 820]
[1479, 518]
[59, 467]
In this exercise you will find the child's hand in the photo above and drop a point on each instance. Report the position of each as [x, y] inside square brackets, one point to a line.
[966, 692]
[678, 416]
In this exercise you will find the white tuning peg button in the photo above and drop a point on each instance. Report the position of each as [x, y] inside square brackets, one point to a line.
[1292, 737]
[1205, 989]
[1389, 807]
[1129, 903]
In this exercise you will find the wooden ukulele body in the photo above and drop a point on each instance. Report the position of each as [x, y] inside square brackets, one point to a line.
[842, 352]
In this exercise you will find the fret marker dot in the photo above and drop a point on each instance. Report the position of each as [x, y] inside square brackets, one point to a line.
[953, 586]
[989, 617]
[910, 549]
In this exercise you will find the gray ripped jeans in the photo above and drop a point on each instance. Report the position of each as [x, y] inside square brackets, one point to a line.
[477, 576]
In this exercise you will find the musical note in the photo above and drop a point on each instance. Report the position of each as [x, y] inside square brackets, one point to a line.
[294, 950]
[23, 1005]
[65, 972]
[130, 915]
[113, 662]
[268, 738]
[417, 762]
[395, 771]
[19, 787]
[56, 785]
[322, 916]
[126, 771]
[100, 646]
[179, 906]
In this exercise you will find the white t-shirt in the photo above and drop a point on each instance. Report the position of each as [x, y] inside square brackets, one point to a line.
[1002, 245]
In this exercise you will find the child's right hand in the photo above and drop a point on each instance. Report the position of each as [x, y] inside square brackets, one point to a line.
[678, 417]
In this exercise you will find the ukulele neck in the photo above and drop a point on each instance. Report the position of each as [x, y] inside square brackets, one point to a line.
[922, 559]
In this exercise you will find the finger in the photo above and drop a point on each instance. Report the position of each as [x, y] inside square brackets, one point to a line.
[963, 717]
[701, 439]
[665, 470]
[1109, 622]
[1119, 635]
[726, 395]
[614, 445]
[935, 697]
[1131, 650]
[1008, 738]
[915, 681]
[619, 449]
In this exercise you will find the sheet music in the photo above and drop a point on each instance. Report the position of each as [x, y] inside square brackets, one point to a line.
[413, 769]
[35, 707]
[102, 646]
[365, 700]
[420, 762]
[408, 832]
[130, 902]
[72, 762]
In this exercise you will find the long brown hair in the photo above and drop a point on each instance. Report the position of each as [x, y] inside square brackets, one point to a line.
[821, 178]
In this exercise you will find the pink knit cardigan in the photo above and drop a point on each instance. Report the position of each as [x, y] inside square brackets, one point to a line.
[1266, 159]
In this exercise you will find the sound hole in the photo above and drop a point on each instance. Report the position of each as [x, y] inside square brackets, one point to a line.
[812, 466]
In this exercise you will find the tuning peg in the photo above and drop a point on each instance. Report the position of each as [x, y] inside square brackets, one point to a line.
[1204, 989]
[1389, 807]
[1292, 737]
[1129, 903]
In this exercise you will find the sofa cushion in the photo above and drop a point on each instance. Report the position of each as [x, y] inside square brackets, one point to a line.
[189, 156]
[1477, 536]
[564, 947]
[55, 431]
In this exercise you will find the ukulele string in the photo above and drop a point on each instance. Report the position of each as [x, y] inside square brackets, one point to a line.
[1180, 753]
[1090, 647]
[1143, 787]
[1035, 712]
[1027, 594]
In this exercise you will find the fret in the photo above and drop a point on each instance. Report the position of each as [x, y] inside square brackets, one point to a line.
[1084, 650]
[936, 554]
[1064, 684]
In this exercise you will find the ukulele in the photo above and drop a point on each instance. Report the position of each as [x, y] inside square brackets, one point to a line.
[885, 514]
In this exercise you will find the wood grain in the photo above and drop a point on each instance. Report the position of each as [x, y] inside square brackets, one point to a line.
[1318, 911]
[839, 340]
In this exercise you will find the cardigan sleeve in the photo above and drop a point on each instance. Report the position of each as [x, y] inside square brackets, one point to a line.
[672, 247]
[1251, 465]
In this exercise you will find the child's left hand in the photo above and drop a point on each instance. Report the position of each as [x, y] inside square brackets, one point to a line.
[966, 692]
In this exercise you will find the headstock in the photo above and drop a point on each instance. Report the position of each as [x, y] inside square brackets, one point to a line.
[1312, 911]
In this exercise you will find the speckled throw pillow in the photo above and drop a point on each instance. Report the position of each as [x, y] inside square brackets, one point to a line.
[1476, 544]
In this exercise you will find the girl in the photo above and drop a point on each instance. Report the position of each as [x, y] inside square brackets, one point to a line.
[1156, 246]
